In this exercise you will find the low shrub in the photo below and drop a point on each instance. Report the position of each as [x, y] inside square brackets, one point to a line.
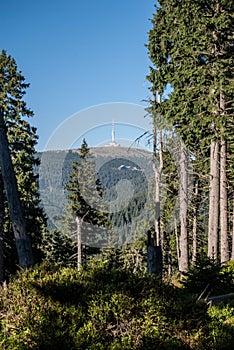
[50, 308]
[207, 272]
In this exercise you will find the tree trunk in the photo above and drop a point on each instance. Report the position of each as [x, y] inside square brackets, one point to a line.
[157, 176]
[177, 241]
[154, 257]
[213, 201]
[154, 260]
[79, 245]
[1, 230]
[232, 254]
[169, 263]
[194, 251]
[22, 240]
[157, 167]
[224, 249]
[183, 192]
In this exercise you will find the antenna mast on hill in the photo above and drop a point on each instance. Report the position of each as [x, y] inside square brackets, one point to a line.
[112, 143]
[113, 132]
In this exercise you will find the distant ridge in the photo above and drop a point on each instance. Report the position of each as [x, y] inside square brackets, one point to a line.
[105, 151]
[120, 151]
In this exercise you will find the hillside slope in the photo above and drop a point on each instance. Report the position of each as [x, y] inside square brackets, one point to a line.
[125, 174]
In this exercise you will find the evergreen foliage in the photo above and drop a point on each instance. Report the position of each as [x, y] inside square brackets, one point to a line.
[208, 273]
[84, 189]
[22, 139]
[58, 249]
[191, 50]
[85, 219]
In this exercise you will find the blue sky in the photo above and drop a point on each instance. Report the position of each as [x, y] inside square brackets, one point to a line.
[77, 54]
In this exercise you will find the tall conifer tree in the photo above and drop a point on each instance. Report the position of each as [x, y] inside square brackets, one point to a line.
[20, 140]
[191, 48]
[84, 194]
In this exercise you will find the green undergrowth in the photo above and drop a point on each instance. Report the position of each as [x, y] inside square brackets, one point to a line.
[60, 308]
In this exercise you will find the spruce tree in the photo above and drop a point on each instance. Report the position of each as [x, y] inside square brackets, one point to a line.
[26, 162]
[59, 249]
[84, 194]
[20, 140]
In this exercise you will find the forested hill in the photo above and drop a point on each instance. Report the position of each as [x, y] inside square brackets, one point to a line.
[57, 165]
[113, 165]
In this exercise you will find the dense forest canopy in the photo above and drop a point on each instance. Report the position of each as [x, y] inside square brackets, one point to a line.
[191, 47]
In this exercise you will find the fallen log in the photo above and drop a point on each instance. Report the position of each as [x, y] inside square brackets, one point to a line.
[225, 298]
